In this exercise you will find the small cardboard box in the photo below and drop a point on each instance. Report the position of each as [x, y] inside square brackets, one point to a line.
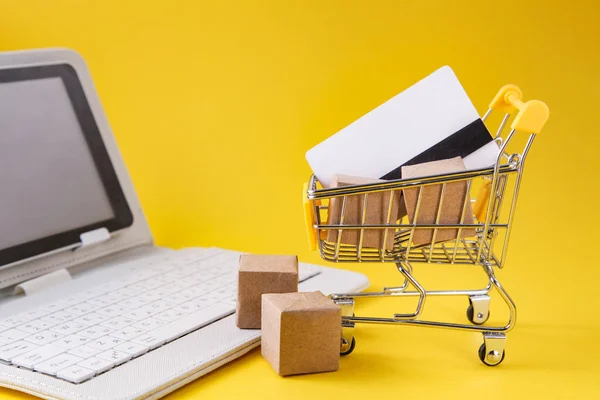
[260, 274]
[301, 333]
[377, 209]
[454, 199]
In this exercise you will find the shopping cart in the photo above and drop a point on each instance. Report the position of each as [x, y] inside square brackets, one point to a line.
[493, 213]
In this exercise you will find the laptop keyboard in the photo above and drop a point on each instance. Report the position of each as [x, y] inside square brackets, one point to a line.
[161, 299]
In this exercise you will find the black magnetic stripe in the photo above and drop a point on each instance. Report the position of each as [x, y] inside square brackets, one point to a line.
[461, 143]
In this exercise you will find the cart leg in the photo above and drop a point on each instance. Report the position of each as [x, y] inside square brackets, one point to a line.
[347, 341]
[491, 352]
[404, 268]
[479, 309]
[395, 289]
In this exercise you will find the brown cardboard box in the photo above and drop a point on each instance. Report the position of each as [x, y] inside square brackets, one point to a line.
[377, 208]
[301, 333]
[260, 274]
[454, 198]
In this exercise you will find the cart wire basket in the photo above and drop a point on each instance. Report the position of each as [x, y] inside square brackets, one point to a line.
[480, 239]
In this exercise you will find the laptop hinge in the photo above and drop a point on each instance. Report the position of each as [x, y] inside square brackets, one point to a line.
[94, 237]
[43, 282]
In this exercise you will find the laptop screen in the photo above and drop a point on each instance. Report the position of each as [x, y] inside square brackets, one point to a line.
[56, 179]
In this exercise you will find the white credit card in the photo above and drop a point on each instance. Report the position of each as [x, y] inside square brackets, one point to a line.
[433, 119]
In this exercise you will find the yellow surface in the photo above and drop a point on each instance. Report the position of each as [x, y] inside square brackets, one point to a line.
[215, 103]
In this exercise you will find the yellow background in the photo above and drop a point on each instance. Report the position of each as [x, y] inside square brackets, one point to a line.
[214, 104]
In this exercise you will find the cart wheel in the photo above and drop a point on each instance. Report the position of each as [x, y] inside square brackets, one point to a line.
[490, 359]
[350, 349]
[471, 315]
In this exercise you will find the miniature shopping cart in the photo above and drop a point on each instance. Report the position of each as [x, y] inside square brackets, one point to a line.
[493, 213]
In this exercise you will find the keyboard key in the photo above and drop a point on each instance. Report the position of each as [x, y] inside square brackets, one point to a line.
[211, 273]
[68, 328]
[112, 311]
[111, 286]
[203, 301]
[37, 356]
[100, 301]
[55, 306]
[74, 299]
[95, 332]
[230, 303]
[132, 348]
[104, 300]
[225, 280]
[170, 288]
[133, 302]
[71, 341]
[161, 280]
[170, 315]
[44, 337]
[178, 273]
[127, 292]
[132, 278]
[14, 334]
[185, 308]
[8, 352]
[36, 326]
[59, 317]
[141, 286]
[157, 306]
[225, 293]
[127, 333]
[36, 313]
[84, 351]
[92, 293]
[75, 374]
[164, 291]
[12, 322]
[150, 296]
[118, 322]
[4, 340]
[55, 364]
[105, 343]
[178, 298]
[184, 325]
[149, 340]
[138, 314]
[97, 365]
[81, 309]
[185, 284]
[91, 319]
[115, 356]
[199, 290]
[149, 324]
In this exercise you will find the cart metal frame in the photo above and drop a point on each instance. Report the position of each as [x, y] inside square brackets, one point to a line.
[482, 250]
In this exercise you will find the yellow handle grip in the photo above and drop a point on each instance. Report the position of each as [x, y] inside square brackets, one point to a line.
[481, 202]
[309, 219]
[532, 115]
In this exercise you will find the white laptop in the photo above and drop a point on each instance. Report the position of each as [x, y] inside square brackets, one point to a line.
[89, 307]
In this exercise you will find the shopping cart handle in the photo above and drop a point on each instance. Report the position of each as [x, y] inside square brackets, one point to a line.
[532, 115]
[309, 219]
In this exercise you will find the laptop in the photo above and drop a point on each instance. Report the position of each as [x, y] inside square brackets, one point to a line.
[89, 307]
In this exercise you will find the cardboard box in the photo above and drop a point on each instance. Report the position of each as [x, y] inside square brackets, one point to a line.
[260, 274]
[301, 333]
[454, 199]
[377, 209]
